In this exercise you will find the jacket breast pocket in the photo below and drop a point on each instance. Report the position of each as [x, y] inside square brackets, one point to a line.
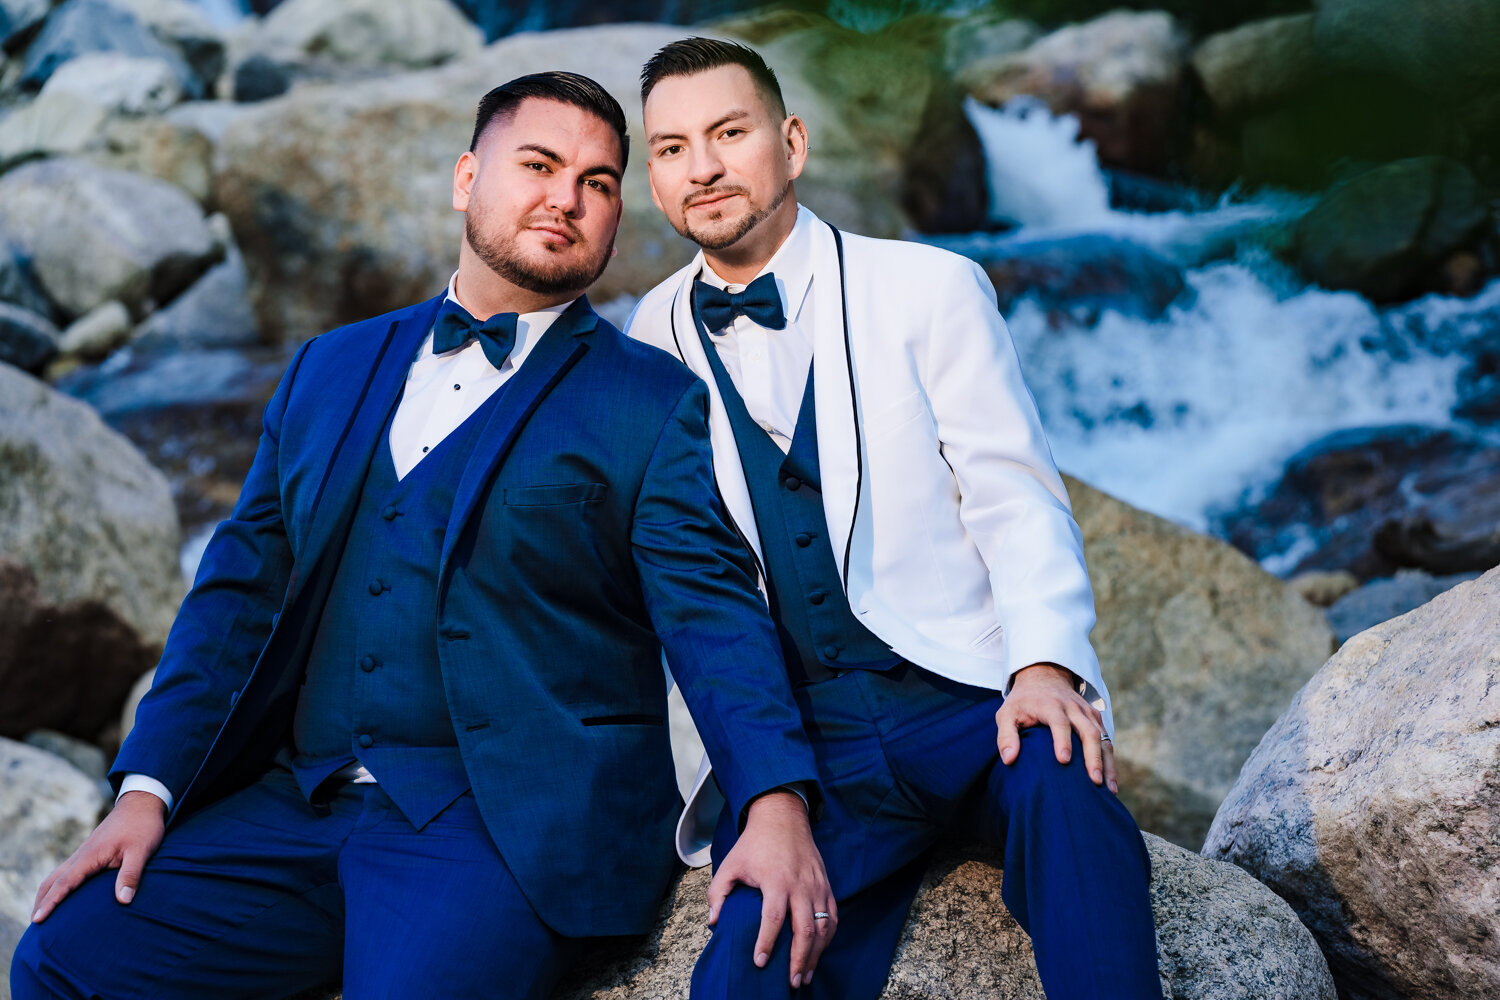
[559, 495]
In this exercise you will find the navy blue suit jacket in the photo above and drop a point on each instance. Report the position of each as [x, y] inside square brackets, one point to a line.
[586, 535]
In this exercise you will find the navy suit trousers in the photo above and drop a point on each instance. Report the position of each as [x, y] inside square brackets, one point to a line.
[261, 895]
[904, 756]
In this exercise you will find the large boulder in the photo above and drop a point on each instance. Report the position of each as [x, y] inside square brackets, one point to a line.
[78, 27]
[27, 341]
[47, 808]
[60, 123]
[18, 18]
[1381, 600]
[1372, 806]
[168, 148]
[183, 27]
[146, 239]
[1257, 64]
[395, 33]
[214, 312]
[1083, 275]
[340, 196]
[1121, 74]
[1201, 649]
[1449, 48]
[119, 82]
[1388, 232]
[89, 582]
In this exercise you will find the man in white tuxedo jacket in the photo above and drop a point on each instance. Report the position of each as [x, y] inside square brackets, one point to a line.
[880, 454]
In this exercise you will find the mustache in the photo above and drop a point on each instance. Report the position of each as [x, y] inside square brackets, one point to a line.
[554, 222]
[708, 194]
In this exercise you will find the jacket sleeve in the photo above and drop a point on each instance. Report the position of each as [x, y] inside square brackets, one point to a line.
[1012, 500]
[701, 594]
[222, 626]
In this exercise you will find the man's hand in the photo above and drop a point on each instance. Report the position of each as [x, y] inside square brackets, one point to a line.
[776, 855]
[1043, 695]
[129, 835]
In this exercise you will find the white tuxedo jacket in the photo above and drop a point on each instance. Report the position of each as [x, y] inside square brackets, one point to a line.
[945, 510]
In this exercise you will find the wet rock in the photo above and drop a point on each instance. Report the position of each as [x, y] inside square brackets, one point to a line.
[1202, 650]
[1387, 232]
[1450, 49]
[1257, 64]
[47, 808]
[1374, 500]
[88, 562]
[121, 83]
[325, 245]
[1381, 600]
[17, 20]
[408, 33]
[1084, 275]
[97, 333]
[56, 124]
[78, 27]
[214, 312]
[1372, 806]
[1121, 74]
[147, 239]
[27, 341]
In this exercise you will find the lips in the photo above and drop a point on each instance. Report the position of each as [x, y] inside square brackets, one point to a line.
[710, 199]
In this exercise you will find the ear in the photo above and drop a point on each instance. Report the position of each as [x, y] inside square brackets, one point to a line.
[794, 135]
[464, 173]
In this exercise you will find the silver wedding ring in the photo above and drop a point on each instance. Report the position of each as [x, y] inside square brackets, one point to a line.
[1104, 738]
[820, 915]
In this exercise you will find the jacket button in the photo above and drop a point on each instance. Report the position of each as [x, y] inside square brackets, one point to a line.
[792, 483]
[366, 740]
[376, 587]
[803, 539]
[389, 513]
[367, 663]
[817, 597]
[831, 652]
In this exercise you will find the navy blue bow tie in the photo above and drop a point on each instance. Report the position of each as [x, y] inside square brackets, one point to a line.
[454, 327]
[760, 301]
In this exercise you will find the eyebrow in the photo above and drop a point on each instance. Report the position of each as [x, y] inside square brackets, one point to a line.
[548, 154]
[731, 115]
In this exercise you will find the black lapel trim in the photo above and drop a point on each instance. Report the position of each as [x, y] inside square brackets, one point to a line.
[859, 457]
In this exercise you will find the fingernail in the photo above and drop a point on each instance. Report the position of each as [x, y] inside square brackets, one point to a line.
[796, 980]
[36, 913]
[807, 978]
[126, 894]
[761, 958]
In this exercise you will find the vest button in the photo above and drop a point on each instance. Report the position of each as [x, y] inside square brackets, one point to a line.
[792, 483]
[831, 652]
[817, 597]
[376, 588]
[367, 663]
[803, 539]
[389, 513]
[366, 740]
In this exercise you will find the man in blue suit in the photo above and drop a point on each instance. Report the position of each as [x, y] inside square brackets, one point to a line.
[408, 729]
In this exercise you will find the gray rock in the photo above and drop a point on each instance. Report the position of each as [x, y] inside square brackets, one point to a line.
[18, 18]
[1381, 600]
[1448, 48]
[27, 340]
[18, 282]
[1257, 64]
[88, 758]
[133, 85]
[157, 146]
[47, 808]
[10, 936]
[57, 124]
[1387, 232]
[89, 582]
[979, 37]
[81, 26]
[214, 312]
[183, 27]
[410, 33]
[1084, 275]
[209, 118]
[1372, 806]
[147, 239]
[95, 334]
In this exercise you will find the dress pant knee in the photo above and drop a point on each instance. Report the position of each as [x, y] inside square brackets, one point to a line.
[726, 970]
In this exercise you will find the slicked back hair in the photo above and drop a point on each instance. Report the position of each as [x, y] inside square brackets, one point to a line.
[689, 56]
[569, 88]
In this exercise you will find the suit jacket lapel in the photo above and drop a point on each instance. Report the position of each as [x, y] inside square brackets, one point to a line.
[557, 351]
[339, 492]
[728, 469]
[839, 441]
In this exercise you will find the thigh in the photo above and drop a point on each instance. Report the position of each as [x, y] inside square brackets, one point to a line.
[436, 912]
[241, 900]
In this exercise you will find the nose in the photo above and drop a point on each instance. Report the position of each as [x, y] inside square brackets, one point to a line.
[705, 167]
[562, 193]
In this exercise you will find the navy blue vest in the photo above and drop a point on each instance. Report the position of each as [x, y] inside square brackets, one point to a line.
[818, 631]
[373, 691]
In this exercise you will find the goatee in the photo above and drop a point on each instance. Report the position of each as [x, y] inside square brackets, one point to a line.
[543, 278]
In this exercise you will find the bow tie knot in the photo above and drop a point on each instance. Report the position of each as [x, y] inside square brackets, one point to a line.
[454, 327]
[760, 302]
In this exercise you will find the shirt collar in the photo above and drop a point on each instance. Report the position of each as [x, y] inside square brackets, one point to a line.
[529, 327]
[791, 263]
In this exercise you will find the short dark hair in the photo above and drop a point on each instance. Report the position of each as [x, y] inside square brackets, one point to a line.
[689, 56]
[569, 88]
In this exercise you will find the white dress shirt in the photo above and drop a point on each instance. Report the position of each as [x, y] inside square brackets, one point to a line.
[769, 367]
[441, 392]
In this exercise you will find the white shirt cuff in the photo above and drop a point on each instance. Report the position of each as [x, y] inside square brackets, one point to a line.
[142, 783]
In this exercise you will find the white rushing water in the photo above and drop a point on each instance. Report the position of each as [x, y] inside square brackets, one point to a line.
[1184, 414]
